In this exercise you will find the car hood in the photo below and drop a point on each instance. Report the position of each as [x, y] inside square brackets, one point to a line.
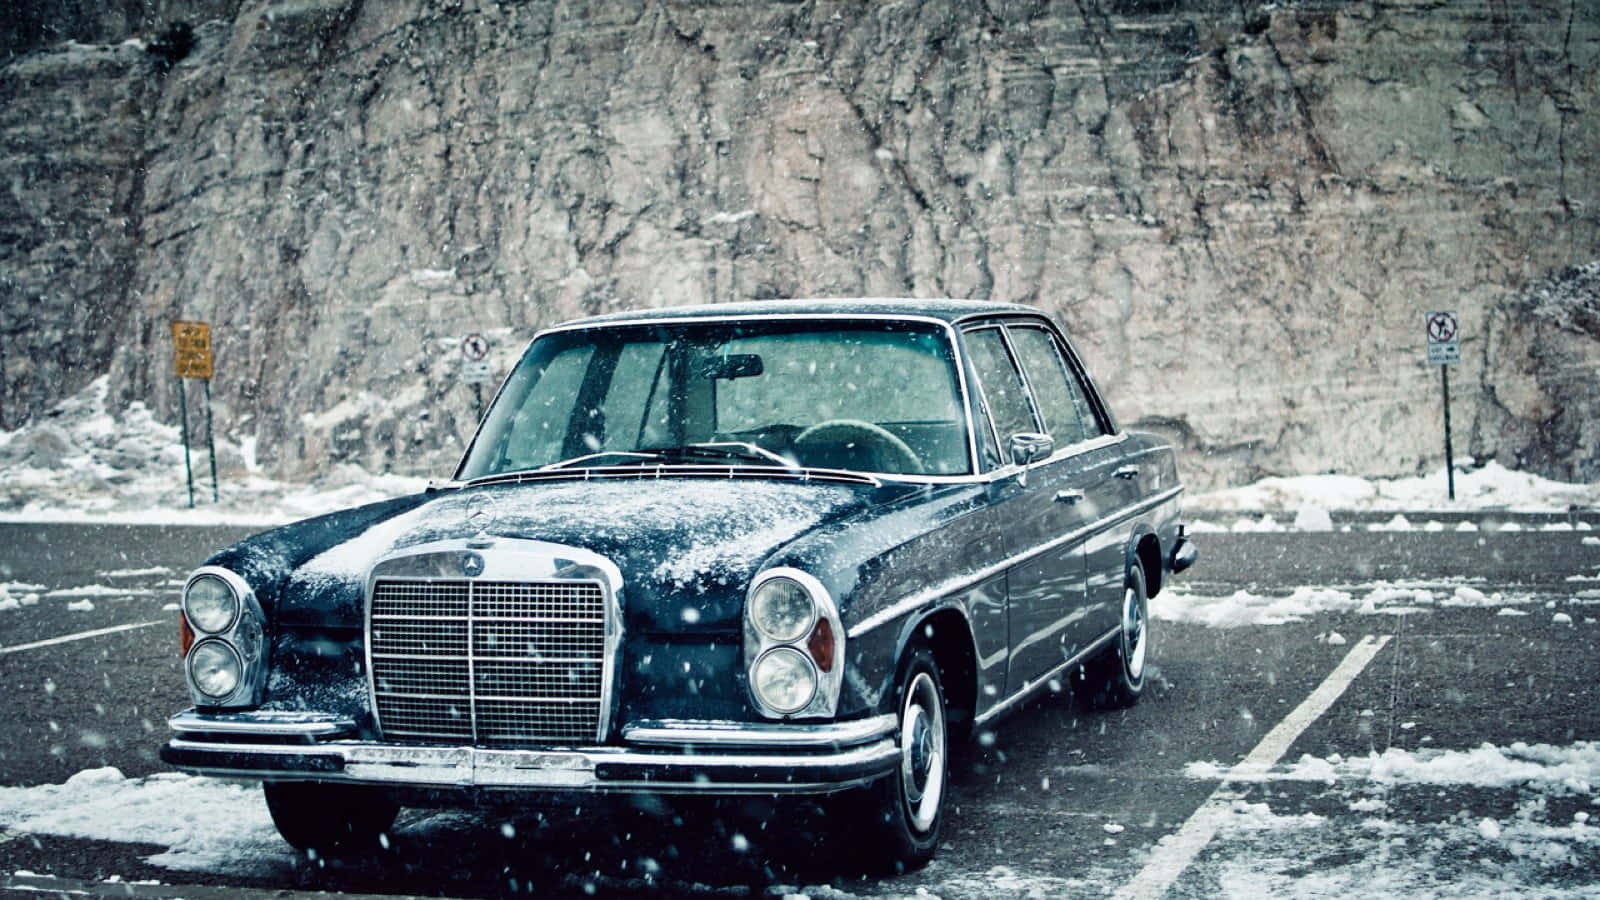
[686, 547]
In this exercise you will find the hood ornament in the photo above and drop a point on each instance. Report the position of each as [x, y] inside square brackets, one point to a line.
[481, 517]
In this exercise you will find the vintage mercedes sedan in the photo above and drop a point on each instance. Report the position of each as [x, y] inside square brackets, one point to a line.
[778, 548]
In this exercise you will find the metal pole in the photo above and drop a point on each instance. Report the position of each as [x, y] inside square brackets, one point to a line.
[183, 407]
[210, 444]
[1449, 454]
[477, 391]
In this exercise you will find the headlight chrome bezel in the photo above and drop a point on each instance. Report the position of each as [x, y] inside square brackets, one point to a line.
[244, 637]
[823, 631]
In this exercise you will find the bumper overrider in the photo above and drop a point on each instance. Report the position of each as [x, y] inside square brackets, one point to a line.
[661, 757]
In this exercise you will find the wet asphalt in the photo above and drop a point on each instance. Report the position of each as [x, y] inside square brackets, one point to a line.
[1054, 800]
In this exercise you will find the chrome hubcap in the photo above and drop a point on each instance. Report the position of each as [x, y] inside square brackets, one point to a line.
[1133, 632]
[922, 752]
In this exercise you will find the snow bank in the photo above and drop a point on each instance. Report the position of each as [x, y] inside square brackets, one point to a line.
[1491, 487]
[81, 463]
[1572, 769]
[203, 823]
[1242, 608]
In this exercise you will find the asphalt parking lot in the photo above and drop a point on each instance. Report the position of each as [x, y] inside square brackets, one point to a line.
[1334, 752]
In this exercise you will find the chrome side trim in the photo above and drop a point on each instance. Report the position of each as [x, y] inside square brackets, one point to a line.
[1029, 688]
[699, 733]
[961, 583]
[263, 722]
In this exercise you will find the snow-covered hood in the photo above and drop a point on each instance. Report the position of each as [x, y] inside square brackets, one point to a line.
[681, 543]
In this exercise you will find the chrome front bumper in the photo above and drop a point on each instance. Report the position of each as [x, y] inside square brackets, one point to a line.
[664, 757]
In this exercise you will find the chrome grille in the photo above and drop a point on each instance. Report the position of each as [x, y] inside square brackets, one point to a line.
[494, 663]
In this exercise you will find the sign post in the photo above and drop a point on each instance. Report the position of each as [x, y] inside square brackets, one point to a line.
[191, 343]
[475, 368]
[1444, 350]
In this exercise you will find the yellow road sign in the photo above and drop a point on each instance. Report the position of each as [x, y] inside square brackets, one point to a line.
[191, 342]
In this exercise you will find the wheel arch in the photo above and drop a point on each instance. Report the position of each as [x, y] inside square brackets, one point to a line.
[1144, 551]
[947, 633]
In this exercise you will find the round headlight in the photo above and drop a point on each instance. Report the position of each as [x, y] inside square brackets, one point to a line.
[783, 610]
[784, 680]
[215, 668]
[211, 604]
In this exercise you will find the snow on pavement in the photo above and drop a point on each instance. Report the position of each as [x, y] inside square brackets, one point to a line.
[211, 825]
[1242, 608]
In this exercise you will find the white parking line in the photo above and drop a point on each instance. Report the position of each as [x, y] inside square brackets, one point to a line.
[1171, 856]
[67, 638]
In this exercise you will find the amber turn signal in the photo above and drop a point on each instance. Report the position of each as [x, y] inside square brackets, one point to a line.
[820, 644]
[185, 635]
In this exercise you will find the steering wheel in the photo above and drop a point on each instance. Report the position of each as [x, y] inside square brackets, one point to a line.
[886, 452]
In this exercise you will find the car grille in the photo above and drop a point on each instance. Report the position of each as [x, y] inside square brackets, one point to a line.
[491, 663]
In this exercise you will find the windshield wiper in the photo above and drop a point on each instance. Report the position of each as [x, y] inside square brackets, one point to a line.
[730, 450]
[589, 458]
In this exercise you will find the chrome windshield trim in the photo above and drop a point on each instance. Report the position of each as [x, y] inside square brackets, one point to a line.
[657, 471]
[694, 732]
[951, 333]
[261, 723]
[961, 583]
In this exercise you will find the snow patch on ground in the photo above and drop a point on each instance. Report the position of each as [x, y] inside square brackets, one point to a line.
[1573, 769]
[1242, 608]
[1530, 852]
[1491, 487]
[82, 463]
[1260, 854]
[205, 824]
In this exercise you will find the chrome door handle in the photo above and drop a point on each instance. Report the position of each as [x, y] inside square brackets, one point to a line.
[1068, 496]
[1127, 472]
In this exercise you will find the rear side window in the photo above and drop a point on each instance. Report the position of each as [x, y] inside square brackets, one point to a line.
[1003, 391]
[1063, 401]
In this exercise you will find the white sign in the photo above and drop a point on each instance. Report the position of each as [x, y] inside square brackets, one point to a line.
[475, 366]
[1444, 338]
[476, 372]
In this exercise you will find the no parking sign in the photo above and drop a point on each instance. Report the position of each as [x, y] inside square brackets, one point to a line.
[1444, 338]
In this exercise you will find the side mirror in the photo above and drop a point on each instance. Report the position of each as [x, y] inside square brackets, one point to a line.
[1030, 447]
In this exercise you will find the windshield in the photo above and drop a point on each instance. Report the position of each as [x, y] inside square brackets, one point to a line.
[871, 396]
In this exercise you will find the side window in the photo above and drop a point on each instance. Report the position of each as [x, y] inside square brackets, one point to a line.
[1062, 398]
[1002, 386]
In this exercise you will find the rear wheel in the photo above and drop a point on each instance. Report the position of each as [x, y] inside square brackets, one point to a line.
[1116, 677]
[905, 811]
[329, 818]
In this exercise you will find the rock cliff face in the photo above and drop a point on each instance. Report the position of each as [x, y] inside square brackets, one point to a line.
[1241, 211]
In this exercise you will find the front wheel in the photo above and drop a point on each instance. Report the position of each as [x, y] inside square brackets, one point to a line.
[1116, 678]
[329, 818]
[905, 810]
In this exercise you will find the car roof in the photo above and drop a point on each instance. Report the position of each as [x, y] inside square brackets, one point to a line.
[942, 309]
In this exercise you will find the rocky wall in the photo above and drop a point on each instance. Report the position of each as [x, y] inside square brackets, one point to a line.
[1240, 211]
